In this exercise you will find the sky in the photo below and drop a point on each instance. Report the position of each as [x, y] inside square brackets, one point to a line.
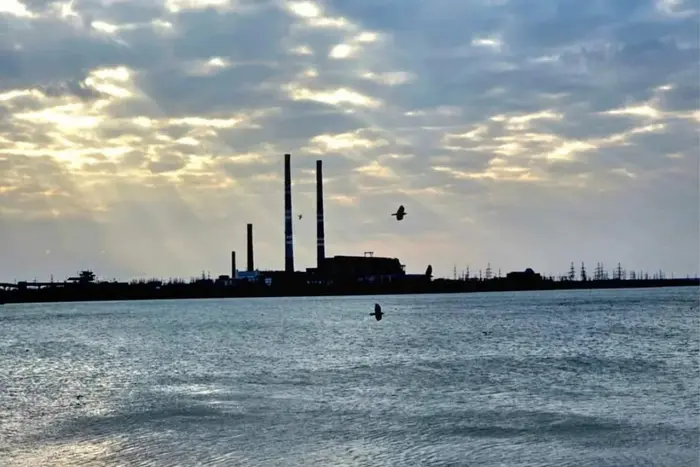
[138, 138]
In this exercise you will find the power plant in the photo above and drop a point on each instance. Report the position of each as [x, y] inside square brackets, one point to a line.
[366, 268]
[337, 275]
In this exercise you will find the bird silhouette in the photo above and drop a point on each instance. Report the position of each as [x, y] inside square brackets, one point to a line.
[300, 216]
[400, 213]
[377, 312]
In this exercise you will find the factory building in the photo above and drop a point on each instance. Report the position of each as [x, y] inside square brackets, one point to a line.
[360, 269]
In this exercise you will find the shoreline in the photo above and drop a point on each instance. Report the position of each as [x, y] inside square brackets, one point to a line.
[67, 293]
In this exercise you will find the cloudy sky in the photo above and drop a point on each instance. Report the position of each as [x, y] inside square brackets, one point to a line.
[137, 138]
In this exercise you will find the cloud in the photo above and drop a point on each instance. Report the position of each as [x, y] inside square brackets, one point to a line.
[524, 134]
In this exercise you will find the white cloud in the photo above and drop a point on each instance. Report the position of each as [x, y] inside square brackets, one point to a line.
[157, 127]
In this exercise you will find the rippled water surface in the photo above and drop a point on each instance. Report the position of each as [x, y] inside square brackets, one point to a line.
[574, 378]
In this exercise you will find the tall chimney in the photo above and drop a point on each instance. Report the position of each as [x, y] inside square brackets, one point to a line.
[250, 248]
[288, 238]
[233, 265]
[320, 233]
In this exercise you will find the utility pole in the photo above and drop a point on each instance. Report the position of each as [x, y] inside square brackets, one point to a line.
[618, 272]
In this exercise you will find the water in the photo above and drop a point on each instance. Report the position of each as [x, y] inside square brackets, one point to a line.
[572, 378]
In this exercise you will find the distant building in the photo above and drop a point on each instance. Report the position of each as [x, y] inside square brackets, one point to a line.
[528, 275]
[251, 276]
[224, 280]
[84, 277]
[361, 269]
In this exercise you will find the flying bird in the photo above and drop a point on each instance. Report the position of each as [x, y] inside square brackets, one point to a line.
[400, 213]
[377, 312]
[300, 216]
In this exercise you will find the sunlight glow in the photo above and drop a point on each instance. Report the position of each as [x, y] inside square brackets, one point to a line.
[105, 27]
[637, 111]
[206, 122]
[488, 42]
[175, 6]
[392, 78]
[341, 51]
[65, 117]
[304, 9]
[374, 169]
[15, 8]
[336, 142]
[334, 97]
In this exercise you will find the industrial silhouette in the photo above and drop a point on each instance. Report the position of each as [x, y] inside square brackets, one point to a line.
[336, 275]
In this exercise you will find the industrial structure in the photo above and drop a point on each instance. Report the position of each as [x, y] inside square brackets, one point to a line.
[288, 236]
[320, 229]
[337, 275]
[333, 270]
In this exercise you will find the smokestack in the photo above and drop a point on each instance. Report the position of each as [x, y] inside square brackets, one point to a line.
[288, 238]
[233, 265]
[250, 248]
[320, 233]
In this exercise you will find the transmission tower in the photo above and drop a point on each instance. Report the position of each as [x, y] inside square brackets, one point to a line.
[572, 272]
[488, 271]
[584, 277]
